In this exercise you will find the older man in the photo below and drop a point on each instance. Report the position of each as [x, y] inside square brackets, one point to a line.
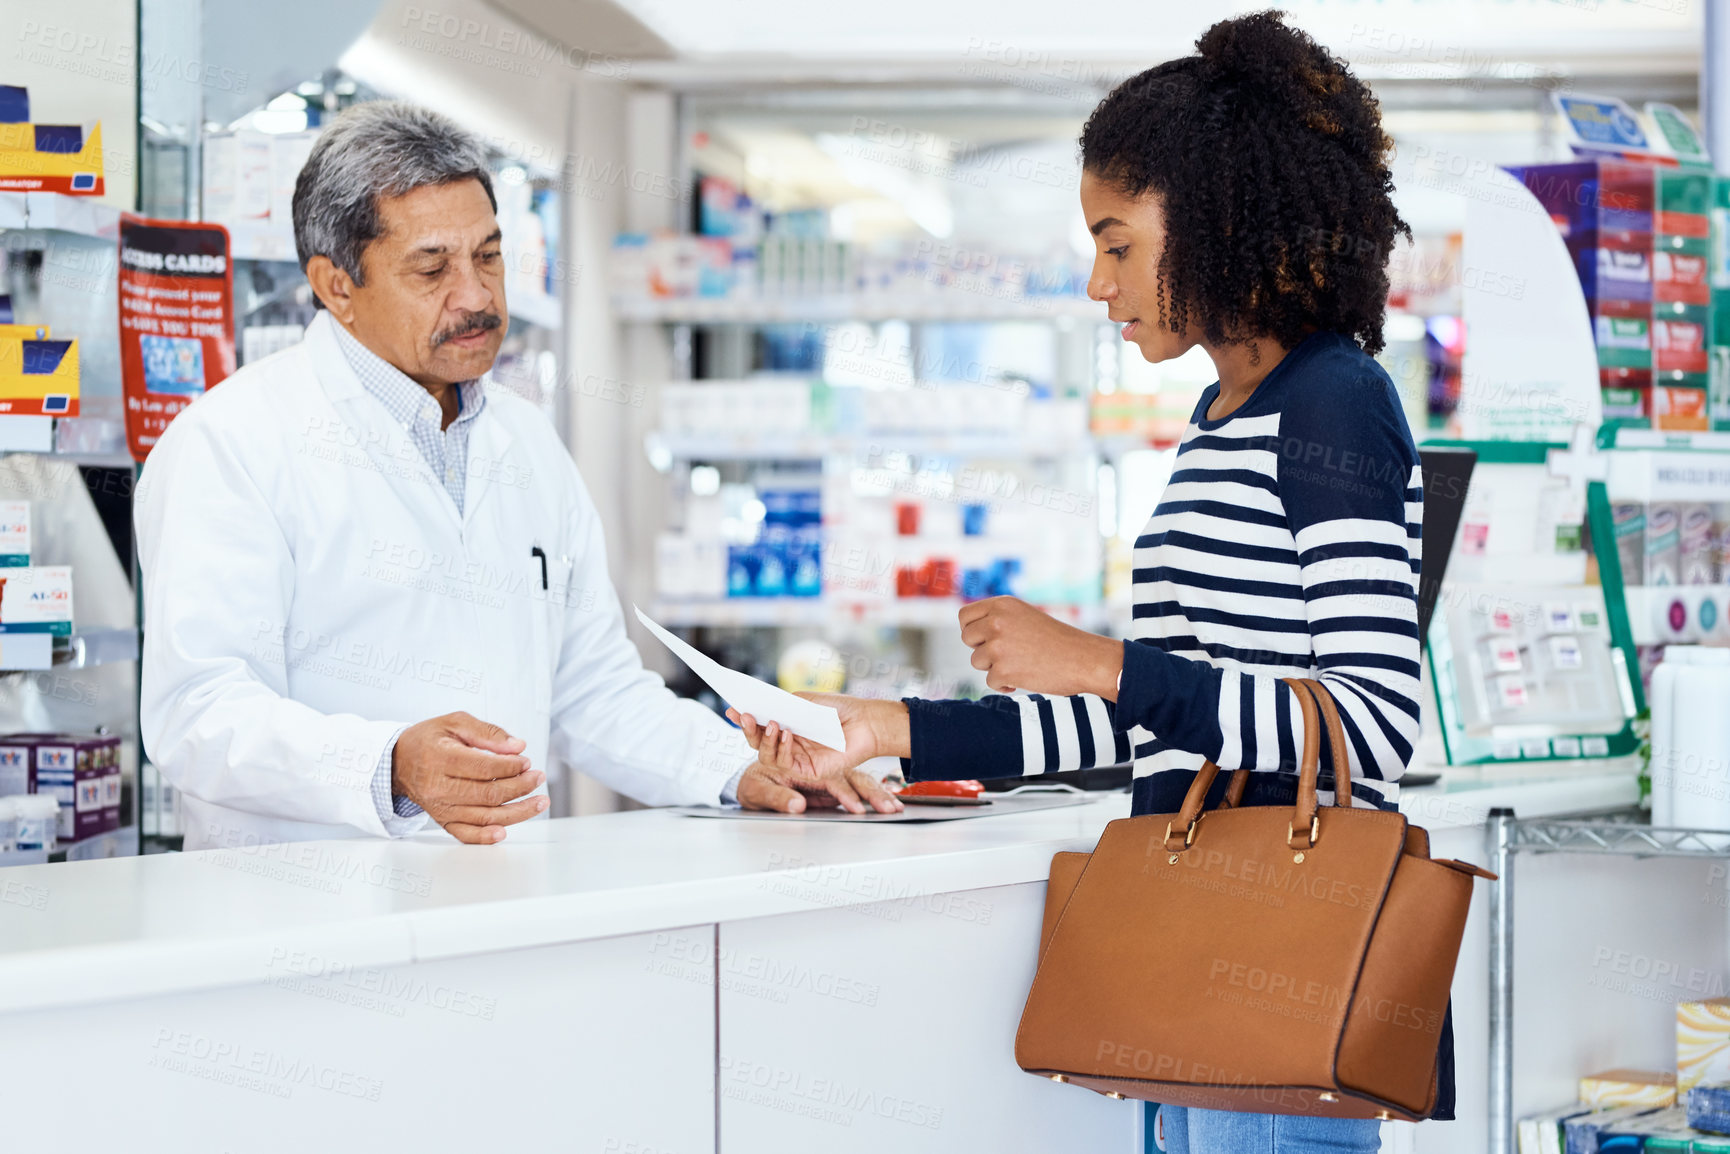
[375, 588]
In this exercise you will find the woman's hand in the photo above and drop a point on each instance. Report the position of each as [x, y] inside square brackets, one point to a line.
[766, 786]
[1020, 646]
[871, 728]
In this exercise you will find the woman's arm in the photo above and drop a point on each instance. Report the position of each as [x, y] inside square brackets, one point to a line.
[952, 740]
[1011, 736]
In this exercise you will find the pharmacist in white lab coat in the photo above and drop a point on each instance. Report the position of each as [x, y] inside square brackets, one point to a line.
[375, 588]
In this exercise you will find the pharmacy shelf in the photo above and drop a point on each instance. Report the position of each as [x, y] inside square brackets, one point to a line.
[945, 306]
[31, 434]
[1623, 833]
[537, 309]
[90, 647]
[57, 212]
[30, 652]
[814, 446]
[122, 842]
[793, 612]
[260, 241]
[1626, 438]
[1653, 612]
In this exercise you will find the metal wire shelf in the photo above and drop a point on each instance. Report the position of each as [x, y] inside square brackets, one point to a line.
[1623, 834]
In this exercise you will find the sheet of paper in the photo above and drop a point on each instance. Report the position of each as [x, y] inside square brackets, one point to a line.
[761, 700]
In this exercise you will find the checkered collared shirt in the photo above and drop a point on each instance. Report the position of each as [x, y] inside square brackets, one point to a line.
[446, 452]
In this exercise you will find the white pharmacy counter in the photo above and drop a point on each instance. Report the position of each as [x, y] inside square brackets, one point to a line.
[560, 991]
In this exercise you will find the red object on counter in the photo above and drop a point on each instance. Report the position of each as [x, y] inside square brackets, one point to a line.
[944, 789]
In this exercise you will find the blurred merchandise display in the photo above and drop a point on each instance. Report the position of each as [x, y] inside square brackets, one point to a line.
[1680, 1111]
[870, 497]
[745, 253]
[249, 188]
[669, 265]
[1641, 239]
[259, 341]
[81, 774]
[780, 415]
[1158, 418]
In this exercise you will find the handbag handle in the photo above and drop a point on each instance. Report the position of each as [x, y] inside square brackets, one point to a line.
[1312, 695]
[1309, 695]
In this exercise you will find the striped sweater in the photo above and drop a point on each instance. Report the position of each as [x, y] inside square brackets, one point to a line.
[1286, 544]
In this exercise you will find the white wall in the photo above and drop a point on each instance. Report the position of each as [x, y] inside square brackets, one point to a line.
[79, 58]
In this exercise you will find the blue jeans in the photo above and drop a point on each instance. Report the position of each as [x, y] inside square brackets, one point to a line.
[1189, 1131]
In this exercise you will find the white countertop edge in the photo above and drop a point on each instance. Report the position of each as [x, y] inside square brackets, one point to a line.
[80, 975]
[54, 977]
[915, 881]
[44, 979]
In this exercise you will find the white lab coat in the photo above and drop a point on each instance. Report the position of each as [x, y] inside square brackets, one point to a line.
[310, 587]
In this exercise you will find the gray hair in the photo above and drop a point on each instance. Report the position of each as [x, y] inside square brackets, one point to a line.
[376, 150]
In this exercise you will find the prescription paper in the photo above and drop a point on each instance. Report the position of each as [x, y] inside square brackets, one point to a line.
[765, 702]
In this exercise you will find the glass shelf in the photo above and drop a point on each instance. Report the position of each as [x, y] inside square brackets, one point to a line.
[29, 652]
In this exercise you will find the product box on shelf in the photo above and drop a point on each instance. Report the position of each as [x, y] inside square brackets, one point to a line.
[1682, 199]
[63, 158]
[1679, 270]
[75, 771]
[1702, 1042]
[14, 534]
[1629, 1088]
[1708, 1106]
[36, 599]
[783, 563]
[690, 568]
[38, 378]
[1664, 1130]
[1624, 333]
[1588, 197]
[1643, 244]
[18, 762]
[1718, 370]
[1663, 559]
[1626, 394]
[1679, 409]
[248, 184]
[1680, 335]
[1585, 1131]
[1615, 266]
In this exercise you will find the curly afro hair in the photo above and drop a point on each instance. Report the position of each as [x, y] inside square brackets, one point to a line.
[1270, 161]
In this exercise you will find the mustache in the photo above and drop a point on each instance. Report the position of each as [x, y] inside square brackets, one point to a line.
[474, 323]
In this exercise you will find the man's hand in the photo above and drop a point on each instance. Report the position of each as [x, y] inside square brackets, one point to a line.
[1020, 646]
[792, 791]
[463, 771]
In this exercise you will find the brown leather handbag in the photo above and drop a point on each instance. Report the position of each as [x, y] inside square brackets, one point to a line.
[1258, 959]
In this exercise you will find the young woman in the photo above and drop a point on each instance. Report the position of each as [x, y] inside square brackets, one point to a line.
[1240, 201]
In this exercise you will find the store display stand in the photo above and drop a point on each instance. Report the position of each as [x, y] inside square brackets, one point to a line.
[1622, 834]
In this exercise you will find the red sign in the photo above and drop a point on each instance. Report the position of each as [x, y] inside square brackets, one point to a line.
[176, 320]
